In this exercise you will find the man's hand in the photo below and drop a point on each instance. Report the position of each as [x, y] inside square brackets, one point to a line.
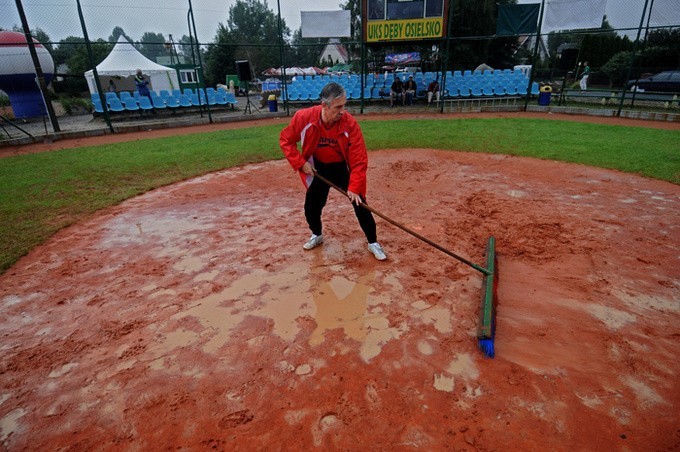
[353, 197]
[307, 168]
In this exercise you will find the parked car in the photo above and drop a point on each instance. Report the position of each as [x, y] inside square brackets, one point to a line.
[666, 82]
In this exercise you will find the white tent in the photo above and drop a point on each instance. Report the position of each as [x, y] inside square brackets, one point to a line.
[124, 60]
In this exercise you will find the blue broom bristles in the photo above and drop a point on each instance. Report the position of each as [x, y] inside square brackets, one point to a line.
[486, 346]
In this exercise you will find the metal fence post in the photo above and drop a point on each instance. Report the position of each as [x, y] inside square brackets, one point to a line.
[200, 63]
[102, 99]
[632, 59]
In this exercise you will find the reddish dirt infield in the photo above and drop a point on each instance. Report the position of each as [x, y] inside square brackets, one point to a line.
[191, 318]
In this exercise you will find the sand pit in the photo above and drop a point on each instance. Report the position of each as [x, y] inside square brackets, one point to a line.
[191, 318]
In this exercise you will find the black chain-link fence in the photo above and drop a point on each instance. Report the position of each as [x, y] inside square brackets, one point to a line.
[88, 52]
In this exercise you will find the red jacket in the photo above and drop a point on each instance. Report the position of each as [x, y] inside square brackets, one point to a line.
[305, 127]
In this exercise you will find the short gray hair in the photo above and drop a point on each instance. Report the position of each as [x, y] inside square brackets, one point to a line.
[331, 92]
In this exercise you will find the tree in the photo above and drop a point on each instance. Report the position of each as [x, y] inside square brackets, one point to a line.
[219, 58]
[251, 34]
[305, 52]
[73, 51]
[38, 34]
[152, 45]
[184, 46]
[117, 33]
[353, 44]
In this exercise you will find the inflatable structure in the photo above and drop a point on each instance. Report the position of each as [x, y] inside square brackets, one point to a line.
[17, 74]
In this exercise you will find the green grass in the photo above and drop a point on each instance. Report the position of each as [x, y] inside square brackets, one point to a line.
[42, 193]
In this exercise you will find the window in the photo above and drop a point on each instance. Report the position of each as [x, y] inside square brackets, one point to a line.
[188, 76]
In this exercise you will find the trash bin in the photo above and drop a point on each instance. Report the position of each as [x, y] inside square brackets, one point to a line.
[544, 95]
[273, 104]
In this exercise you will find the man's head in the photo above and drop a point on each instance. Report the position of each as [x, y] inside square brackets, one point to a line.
[333, 100]
[410, 77]
[139, 72]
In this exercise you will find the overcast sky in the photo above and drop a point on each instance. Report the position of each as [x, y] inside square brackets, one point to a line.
[59, 18]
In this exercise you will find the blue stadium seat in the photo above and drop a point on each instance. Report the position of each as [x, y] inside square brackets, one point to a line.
[220, 98]
[115, 104]
[158, 102]
[130, 103]
[464, 91]
[145, 103]
[230, 98]
[185, 100]
[172, 102]
[356, 92]
[535, 89]
[97, 104]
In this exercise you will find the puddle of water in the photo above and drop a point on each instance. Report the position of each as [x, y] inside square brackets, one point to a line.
[281, 297]
[10, 423]
[646, 396]
[614, 319]
[443, 382]
[340, 303]
[189, 265]
[464, 366]
[284, 297]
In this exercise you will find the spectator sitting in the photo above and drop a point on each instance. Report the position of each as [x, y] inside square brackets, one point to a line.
[433, 90]
[409, 91]
[396, 90]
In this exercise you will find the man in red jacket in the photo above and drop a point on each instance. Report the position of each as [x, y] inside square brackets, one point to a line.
[333, 145]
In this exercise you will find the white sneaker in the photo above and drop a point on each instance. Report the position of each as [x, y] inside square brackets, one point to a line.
[377, 251]
[313, 242]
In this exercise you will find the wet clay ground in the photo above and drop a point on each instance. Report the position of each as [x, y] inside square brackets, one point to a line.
[191, 318]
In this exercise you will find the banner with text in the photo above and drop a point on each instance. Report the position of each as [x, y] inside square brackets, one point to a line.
[404, 30]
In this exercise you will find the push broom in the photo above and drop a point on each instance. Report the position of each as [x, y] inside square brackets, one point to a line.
[487, 317]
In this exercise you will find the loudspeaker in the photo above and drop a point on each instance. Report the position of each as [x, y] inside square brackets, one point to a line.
[243, 70]
[568, 59]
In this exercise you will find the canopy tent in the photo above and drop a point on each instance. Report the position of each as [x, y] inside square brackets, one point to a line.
[124, 60]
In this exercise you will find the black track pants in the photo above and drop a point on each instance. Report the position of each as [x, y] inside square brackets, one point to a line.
[317, 194]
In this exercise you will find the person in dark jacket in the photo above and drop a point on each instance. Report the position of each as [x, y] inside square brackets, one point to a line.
[142, 84]
[396, 90]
